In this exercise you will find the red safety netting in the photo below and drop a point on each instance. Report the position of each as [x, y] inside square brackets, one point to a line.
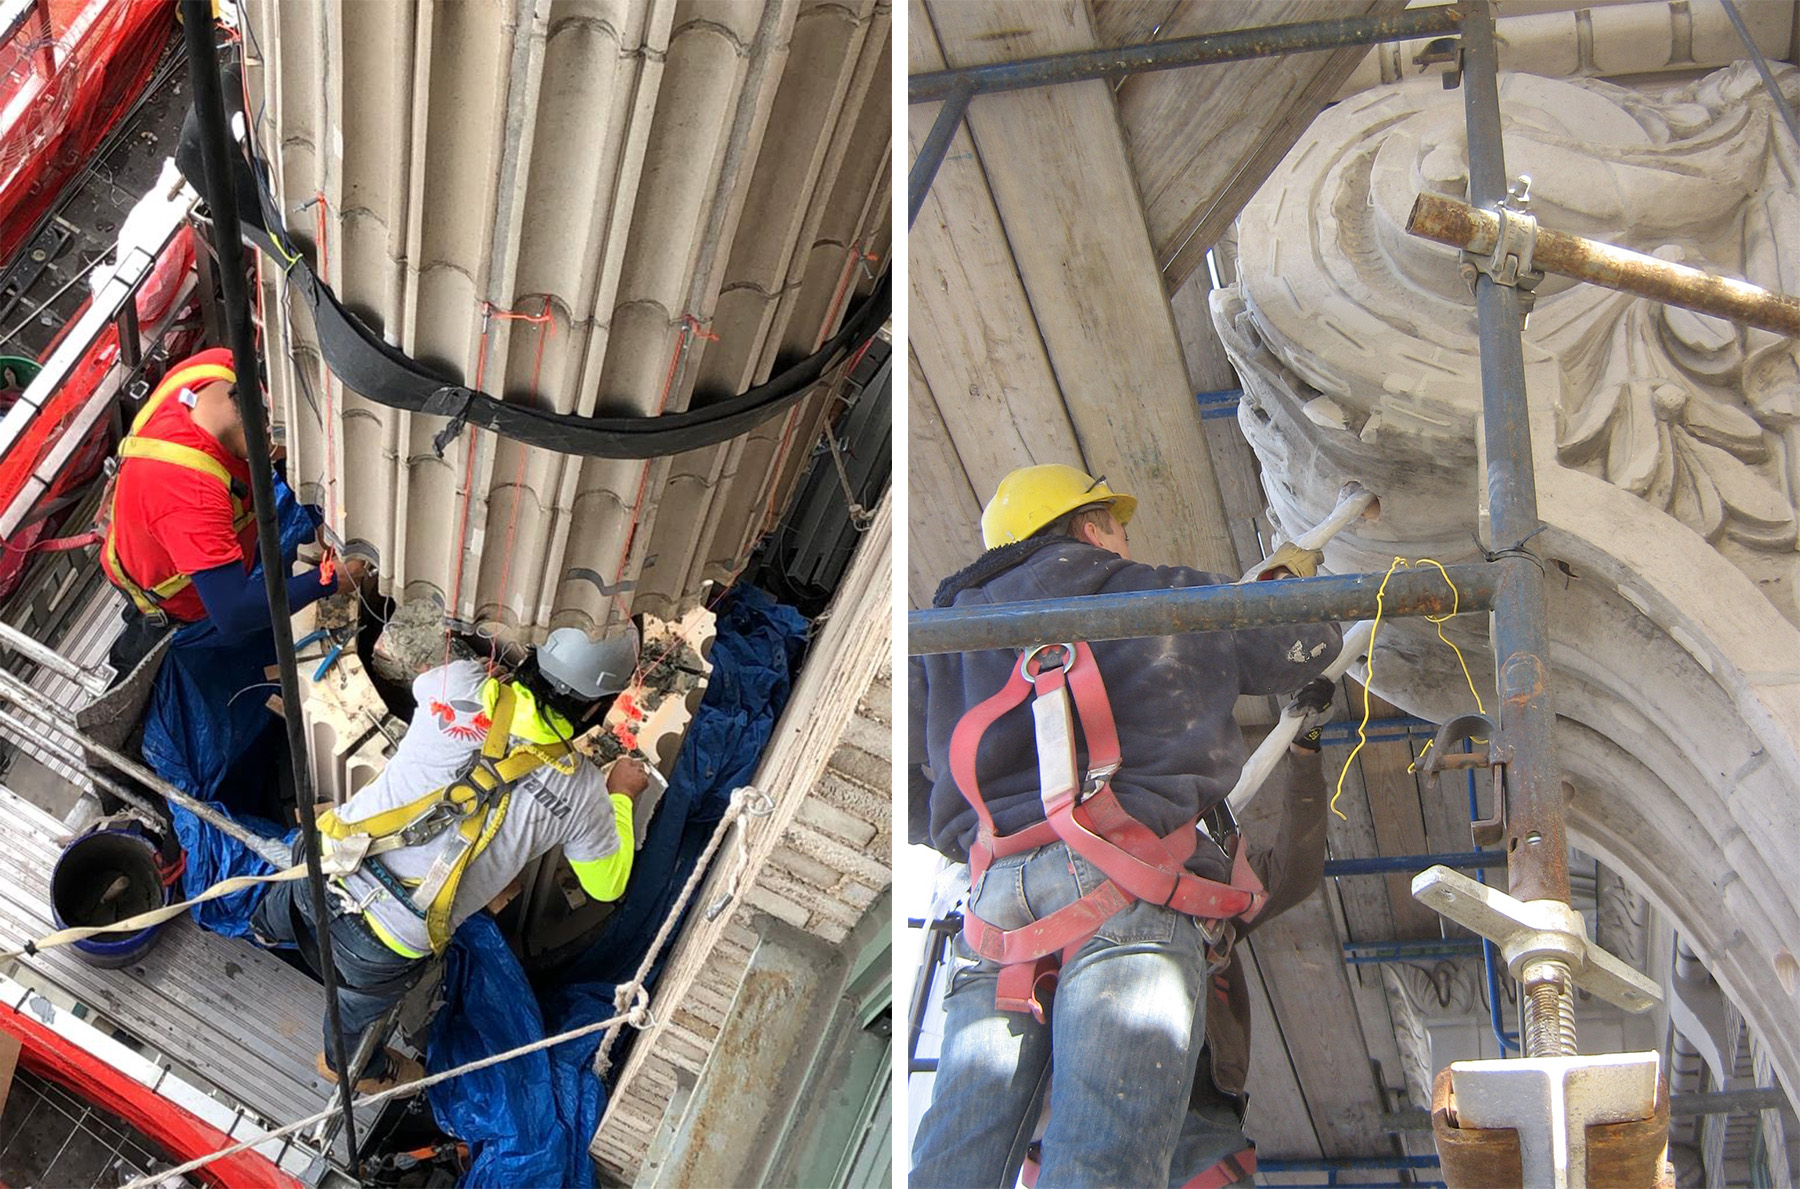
[46, 430]
[67, 76]
[184, 1136]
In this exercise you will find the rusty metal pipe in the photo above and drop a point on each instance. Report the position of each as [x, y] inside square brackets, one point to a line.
[1232, 45]
[1447, 221]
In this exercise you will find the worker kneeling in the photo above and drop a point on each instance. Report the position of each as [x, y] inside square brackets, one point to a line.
[485, 780]
[1103, 861]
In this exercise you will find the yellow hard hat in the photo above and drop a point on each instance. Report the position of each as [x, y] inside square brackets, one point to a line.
[1032, 497]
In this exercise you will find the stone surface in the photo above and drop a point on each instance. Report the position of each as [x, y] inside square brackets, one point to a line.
[1664, 447]
[622, 207]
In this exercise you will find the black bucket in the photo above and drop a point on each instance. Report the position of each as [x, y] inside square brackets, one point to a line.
[102, 878]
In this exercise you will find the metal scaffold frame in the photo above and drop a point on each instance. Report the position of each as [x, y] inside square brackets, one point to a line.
[1544, 941]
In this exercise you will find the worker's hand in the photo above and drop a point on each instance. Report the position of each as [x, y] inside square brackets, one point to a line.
[350, 573]
[627, 776]
[1291, 561]
[1312, 705]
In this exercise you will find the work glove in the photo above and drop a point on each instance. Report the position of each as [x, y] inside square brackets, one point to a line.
[1312, 705]
[1288, 561]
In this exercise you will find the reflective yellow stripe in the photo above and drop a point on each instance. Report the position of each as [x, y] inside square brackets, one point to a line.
[146, 599]
[176, 454]
[389, 940]
[175, 381]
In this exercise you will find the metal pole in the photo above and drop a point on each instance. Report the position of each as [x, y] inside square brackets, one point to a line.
[1235, 45]
[937, 143]
[1762, 68]
[42, 654]
[1207, 608]
[31, 701]
[216, 151]
[1388, 864]
[1447, 221]
[1537, 842]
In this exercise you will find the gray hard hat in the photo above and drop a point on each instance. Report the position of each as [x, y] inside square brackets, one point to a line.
[589, 668]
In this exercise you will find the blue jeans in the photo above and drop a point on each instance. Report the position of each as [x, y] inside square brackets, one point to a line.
[371, 977]
[1125, 1031]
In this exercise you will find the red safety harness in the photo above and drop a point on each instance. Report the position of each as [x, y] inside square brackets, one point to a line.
[1085, 814]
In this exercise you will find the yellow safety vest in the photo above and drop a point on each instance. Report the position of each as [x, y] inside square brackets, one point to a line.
[148, 599]
[474, 804]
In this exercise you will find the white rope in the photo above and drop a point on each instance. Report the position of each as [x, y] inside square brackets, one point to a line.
[744, 801]
[635, 990]
[155, 1180]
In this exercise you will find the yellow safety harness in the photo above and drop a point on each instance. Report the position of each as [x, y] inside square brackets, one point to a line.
[149, 599]
[474, 805]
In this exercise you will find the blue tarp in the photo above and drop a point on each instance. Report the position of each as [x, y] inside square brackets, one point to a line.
[207, 715]
[527, 1122]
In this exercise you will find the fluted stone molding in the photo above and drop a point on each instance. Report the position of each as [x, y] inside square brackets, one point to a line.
[1664, 447]
[681, 193]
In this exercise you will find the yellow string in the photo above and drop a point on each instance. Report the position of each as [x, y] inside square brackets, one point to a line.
[1369, 670]
[1362, 727]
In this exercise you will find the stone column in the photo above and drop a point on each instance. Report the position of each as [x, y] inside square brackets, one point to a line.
[619, 207]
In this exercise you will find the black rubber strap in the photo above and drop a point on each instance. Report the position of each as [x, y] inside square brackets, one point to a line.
[372, 368]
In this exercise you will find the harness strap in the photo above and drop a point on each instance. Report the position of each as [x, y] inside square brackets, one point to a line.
[148, 598]
[1138, 863]
[1237, 1168]
[475, 805]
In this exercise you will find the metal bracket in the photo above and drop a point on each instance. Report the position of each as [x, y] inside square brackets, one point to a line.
[1443, 50]
[1440, 758]
[1551, 1102]
[1510, 263]
[1535, 931]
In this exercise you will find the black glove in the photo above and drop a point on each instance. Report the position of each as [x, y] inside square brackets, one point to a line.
[1313, 704]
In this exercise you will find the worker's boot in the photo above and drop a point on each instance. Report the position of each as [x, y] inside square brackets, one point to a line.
[401, 1070]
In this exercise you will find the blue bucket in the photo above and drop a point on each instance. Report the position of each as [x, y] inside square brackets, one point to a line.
[103, 877]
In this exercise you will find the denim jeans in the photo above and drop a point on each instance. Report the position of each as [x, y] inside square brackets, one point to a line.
[1124, 1032]
[371, 977]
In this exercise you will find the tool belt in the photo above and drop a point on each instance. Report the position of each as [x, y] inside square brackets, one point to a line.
[1082, 811]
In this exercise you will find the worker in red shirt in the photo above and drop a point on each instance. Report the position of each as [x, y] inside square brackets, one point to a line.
[180, 534]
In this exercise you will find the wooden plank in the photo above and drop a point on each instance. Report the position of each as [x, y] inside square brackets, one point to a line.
[1131, 22]
[1204, 139]
[1302, 963]
[1058, 170]
[1276, 1117]
[944, 517]
[1399, 822]
[972, 327]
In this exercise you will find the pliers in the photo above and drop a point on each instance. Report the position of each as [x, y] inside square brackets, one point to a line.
[335, 637]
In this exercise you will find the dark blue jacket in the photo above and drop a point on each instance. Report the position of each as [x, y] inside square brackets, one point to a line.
[1172, 696]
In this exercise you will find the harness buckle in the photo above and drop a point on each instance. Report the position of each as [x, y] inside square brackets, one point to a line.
[1096, 780]
[1031, 654]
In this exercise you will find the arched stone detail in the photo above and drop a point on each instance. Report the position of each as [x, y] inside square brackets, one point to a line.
[1676, 656]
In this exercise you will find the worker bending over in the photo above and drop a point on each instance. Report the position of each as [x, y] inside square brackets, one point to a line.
[484, 781]
[179, 538]
[1122, 867]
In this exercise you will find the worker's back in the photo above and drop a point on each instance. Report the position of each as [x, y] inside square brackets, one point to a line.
[1172, 696]
[168, 516]
[563, 805]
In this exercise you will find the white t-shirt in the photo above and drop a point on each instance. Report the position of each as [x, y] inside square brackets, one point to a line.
[548, 808]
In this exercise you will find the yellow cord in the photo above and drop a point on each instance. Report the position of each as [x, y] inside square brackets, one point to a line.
[1369, 670]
